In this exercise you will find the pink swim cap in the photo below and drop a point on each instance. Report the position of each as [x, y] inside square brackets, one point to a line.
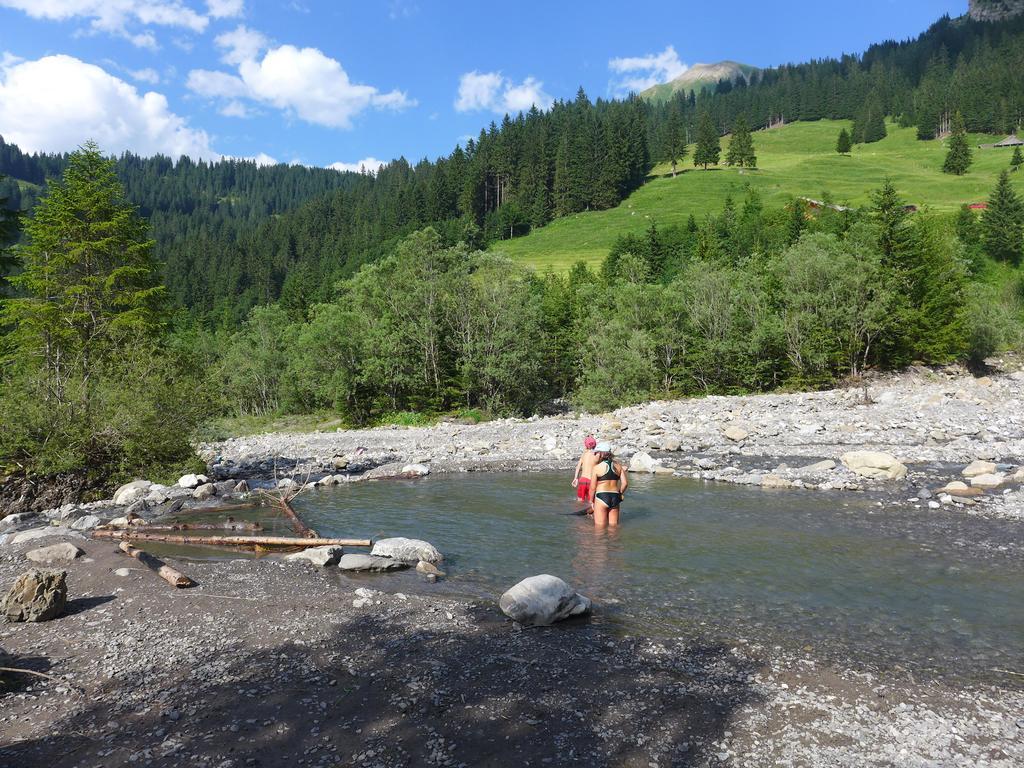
[589, 442]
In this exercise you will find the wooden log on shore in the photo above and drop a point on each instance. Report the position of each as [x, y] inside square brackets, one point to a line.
[233, 541]
[227, 525]
[172, 576]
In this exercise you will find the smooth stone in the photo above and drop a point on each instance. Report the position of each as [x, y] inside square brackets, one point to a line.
[774, 481]
[874, 464]
[407, 550]
[642, 462]
[429, 569]
[131, 492]
[979, 467]
[64, 552]
[988, 480]
[671, 444]
[323, 556]
[359, 562]
[45, 532]
[736, 434]
[417, 470]
[192, 481]
[205, 491]
[37, 595]
[821, 466]
[539, 601]
[122, 571]
[17, 519]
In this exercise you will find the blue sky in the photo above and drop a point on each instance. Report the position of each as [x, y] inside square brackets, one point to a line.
[340, 82]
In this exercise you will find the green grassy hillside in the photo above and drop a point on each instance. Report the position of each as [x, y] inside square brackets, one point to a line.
[796, 160]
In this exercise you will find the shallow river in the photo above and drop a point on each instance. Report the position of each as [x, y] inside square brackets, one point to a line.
[832, 575]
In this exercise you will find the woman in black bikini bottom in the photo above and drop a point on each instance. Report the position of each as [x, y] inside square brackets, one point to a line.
[608, 483]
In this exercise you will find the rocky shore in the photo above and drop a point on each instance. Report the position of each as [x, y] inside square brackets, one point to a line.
[247, 670]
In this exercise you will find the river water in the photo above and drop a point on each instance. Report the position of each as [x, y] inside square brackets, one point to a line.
[832, 575]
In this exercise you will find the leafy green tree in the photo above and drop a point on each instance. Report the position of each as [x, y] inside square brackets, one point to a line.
[968, 232]
[1018, 158]
[845, 143]
[958, 158]
[741, 147]
[1002, 223]
[709, 147]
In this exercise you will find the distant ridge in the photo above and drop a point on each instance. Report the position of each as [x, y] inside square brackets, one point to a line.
[994, 10]
[698, 77]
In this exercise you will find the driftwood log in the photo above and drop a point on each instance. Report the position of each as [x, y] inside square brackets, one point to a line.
[227, 525]
[300, 527]
[233, 541]
[173, 577]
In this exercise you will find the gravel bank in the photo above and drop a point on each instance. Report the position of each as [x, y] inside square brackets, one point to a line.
[247, 670]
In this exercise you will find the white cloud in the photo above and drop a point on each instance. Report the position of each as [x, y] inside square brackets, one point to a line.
[642, 72]
[147, 75]
[236, 109]
[370, 164]
[116, 16]
[225, 9]
[497, 93]
[301, 81]
[57, 102]
[242, 44]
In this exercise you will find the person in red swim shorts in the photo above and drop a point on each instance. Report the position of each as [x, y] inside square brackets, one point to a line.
[581, 480]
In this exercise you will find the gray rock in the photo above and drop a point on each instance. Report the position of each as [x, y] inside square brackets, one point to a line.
[37, 595]
[736, 434]
[192, 481]
[64, 552]
[977, 468]
[642, 462]
[429, 569]
[205, 491]
[875, 464]
[12, 521]
[241, 487]
[122, 571]
[358, 562]
[137, 507]
[539, 601]
[671, 444]
[322, 556]
[706, 463]
[224, 486]
[822, 466]
[407, 550]
[131, 492]
[418, 470]
[45, 532]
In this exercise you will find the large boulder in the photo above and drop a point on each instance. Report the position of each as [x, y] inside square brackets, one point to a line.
[989, 480]
[323, 556]
[37, 595]
[192, 481]
[131, 492]
[416, 470]
[875, 464]
[64, 552]
[407, 550]
[736, 434]
[205, 491]
[86, 523]
[359, 562]
[540, 601]
[979, 467]
[642, 462]
[45, 532]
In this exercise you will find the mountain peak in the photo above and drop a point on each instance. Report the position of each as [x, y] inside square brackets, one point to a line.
[700, 76]
[994, 10]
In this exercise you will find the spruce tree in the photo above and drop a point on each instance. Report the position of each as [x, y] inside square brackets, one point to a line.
[845, 143]
[1017, 160]
[1002, 224]
[959, 158]
[675, 140]
[709, 148]
[8, 230]
[741, 148]
[890, 214]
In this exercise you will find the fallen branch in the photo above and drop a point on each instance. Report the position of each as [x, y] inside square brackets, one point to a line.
[227, 525]
[173, 577]
[233, 541]
[1009, 672]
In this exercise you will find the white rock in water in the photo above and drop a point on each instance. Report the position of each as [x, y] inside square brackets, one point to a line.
[205, 491]
[642, 462]
[131, 492]
[64, 552]
[407, 550]
[360, 562]
[875, 464]
[323, 556]
[540, 601]
[429, 569]
[416, 469]
[736, 434]
[988, 480]
[979, 467]
[192, 481]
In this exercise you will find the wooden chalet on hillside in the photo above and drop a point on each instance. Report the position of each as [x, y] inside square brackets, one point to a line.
[1009, 141]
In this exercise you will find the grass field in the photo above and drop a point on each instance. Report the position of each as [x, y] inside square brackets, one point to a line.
[796, 160]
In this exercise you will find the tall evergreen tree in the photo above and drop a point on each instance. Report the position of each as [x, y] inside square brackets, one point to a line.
[959, 157]
[1018, 159]
[8, 230]
[741, 147]
[1002, 224]
[709, 148]
[890, 214]
[675, 140]
[845, 143]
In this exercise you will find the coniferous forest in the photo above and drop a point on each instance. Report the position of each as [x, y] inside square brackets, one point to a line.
[290, 289]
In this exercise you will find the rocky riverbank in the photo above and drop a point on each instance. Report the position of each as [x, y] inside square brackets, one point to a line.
[247, 670]
[933, 422]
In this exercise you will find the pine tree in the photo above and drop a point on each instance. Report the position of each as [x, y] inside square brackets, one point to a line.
[88, 280]
[890, 214]
[1017, 160]
[845, 143]
[8, 230]
[1002, 224]
[869, 126]
[709, 148]
[959, 158]
[797, 221]
[675, 140]
[741, 147]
